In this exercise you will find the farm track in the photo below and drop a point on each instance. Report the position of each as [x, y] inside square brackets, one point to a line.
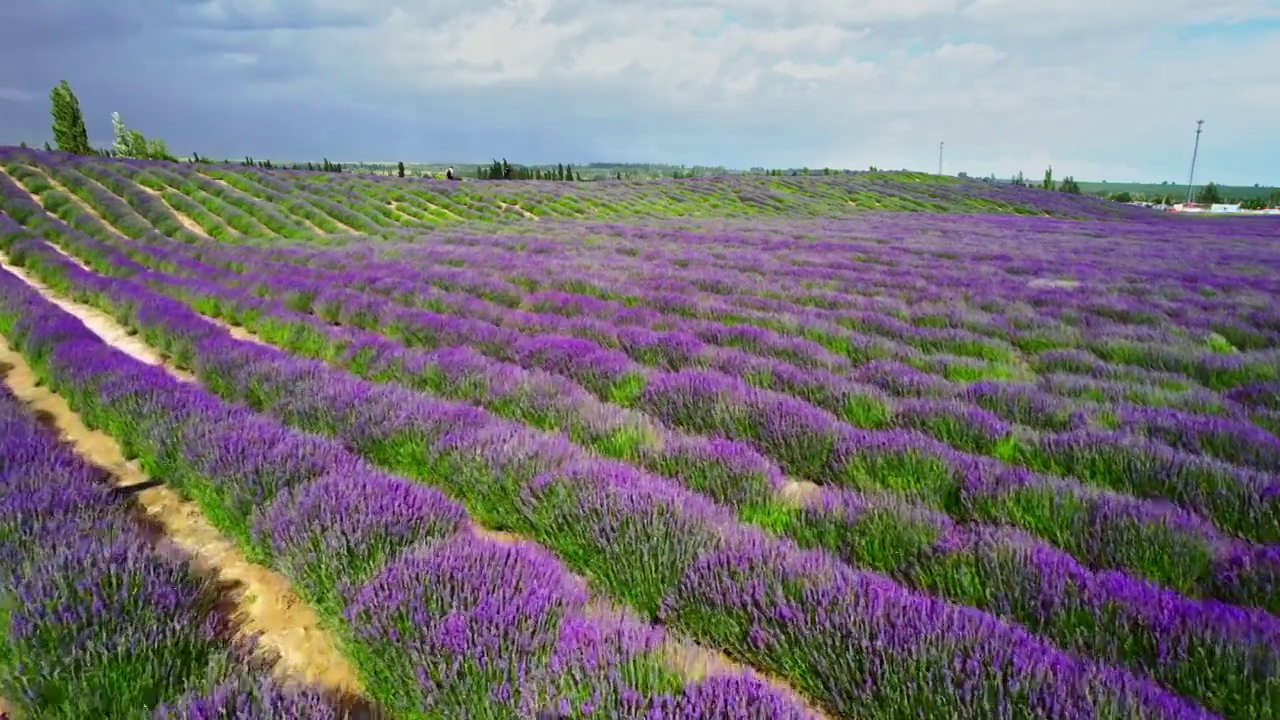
[264, 601]
[56, 185]
[1233, 685]
[402, 217]
[282, 209]
[516, 206]
[443, 209]
[711, 660]
[183, 218]
[1020, 361]
[276, 602]
[794, 493]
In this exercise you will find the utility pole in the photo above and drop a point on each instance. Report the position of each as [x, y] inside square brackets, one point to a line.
[1195, 151]
[939, 157]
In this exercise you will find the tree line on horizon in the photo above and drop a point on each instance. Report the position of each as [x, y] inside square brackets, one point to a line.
[1210, 194]
[70, 135]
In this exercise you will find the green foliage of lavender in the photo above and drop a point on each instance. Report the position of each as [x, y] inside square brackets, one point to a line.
[936, 382]
[96, 619]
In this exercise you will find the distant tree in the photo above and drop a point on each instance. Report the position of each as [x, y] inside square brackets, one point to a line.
[560, 171]
[1121, 197]
[568, 172]
[22, 144]
[120, 136]
[1048, 179]
[1018, 180]
[579, 176]
[157, 150]
[619, 175]
[1273, 198]
[1209, 194]
[69, 131]
[400, 168]
[1069, 185]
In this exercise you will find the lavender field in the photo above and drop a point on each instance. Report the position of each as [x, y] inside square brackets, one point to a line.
[870, 446]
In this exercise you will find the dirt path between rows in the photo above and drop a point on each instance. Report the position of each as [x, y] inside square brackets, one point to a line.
[268, 606]
[408, 220]
[434, 206]
[302, 194]
[76, 200]
[517, 208]
[691, 660]
[98, 322]
[279, 208]
[183, 219]
[686, 657]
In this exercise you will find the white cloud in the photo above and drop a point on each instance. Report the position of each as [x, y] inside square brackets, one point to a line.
[1026, 81]
[847, 70]
[1093, 86]
[17, 95]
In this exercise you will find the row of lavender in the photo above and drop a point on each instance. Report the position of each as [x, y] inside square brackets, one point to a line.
[950, 422]
[101, 617]
[1239, 500]
[885, 373]
[951, 365]
[437, 620]
[1186, 560]
[921, 548]
[742, 196]
[1171, 671]
[1182, 569]
[992, 317]
[680, 343]
[1107, 308]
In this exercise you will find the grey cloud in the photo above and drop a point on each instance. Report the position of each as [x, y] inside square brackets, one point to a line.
[331, 77]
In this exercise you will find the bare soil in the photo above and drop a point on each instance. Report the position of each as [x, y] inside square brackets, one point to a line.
[517, 208]
[264, 601]
[183, 219]
[795, 493]
[56, 185]
[1054, 283]
[684, 656]
[99, 322]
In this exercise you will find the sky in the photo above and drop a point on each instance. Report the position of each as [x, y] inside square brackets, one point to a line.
[1097, 89]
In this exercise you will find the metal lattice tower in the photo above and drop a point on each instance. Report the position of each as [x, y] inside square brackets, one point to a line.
[1195, 151]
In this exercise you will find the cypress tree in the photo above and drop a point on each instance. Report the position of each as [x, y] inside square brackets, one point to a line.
[69, 131]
